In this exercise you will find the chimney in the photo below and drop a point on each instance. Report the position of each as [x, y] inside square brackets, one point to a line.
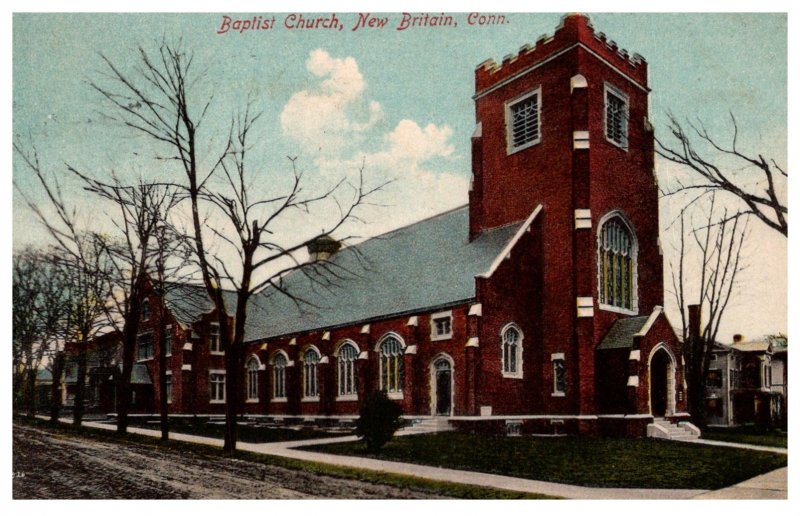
[738, 338]
[322, 248]
[694, 321]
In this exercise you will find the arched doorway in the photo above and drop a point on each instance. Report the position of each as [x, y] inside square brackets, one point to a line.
[442, 386]
[662, 383]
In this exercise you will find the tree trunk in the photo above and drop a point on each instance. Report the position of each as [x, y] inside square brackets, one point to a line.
[80, 385]
[30, 388]
[55, 389]
[231, 395]
[130, 335]
[162, 374]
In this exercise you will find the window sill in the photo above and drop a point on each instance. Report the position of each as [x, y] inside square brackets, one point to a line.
[514, 150]
[617, 309]
[140, 360]
[513, 376]
[218, 353]
[279, 400]
[559, 394]
[394, 395]
[347, 397]
[251, 401]
[310, 399]
[217, 402]
[435, 338]
[620, 146]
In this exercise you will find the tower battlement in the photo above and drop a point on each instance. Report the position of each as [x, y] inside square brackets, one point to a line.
[574, 29]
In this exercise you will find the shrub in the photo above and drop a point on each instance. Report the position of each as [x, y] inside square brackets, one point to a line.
[379, 418]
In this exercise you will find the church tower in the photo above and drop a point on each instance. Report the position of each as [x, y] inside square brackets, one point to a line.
[564, 124]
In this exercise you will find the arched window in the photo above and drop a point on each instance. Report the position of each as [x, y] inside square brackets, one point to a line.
[616, 265]
[391, 365]
[347, 369]
[251, 379]
[279, 364]
[512, 351]
[310, 378]
[145, 310]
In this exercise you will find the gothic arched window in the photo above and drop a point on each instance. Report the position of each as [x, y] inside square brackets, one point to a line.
[347, 369]
[251, 379]
[310, 377]
[616, 265]
[391, 362]
[512, 351]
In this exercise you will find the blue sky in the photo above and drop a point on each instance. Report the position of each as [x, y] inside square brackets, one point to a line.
[398, 100]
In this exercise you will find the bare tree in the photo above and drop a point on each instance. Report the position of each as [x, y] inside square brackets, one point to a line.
[714, 248]
[83, 254]
[758, 183]
[39, 311]
[156, 100]
[139, 256]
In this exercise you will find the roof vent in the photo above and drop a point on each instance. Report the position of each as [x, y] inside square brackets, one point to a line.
[322, 248]
[737, 338]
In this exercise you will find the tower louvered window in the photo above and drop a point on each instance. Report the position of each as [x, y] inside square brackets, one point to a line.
[616, 265]
[616, 118]
[523, 119]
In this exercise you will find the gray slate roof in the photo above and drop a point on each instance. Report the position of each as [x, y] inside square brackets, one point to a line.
[424, 265]
[188, 302]
[620, 336]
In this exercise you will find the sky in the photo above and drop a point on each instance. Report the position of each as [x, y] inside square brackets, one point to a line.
[397, 101]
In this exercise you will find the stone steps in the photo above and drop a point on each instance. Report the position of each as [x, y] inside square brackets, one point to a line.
[426, 426]
[662, 428]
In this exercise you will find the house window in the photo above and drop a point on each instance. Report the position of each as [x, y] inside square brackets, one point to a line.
[145, 310]
[279, 364]
[168, 341]
[523, 121]
[144, 348]
[169, 388]
[251, 379]
[714, 378]
[214, 342]
[559, 375]
[216, 386]
[442, 326]
[616, 264]
[347, 370]
[310, 374]
[616, 117]
[512, 351]
[391, 365]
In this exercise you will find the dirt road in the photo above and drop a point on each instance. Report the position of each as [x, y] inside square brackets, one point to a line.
[49, 464]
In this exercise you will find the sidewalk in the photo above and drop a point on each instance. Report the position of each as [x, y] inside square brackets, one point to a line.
[772, 485]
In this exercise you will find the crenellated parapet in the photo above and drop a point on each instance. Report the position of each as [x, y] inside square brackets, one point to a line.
[574, 30]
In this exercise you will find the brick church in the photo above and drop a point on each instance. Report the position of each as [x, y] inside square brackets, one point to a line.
[537, 307]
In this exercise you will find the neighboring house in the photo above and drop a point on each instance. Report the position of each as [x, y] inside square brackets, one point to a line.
[536, 307]
[747, 382]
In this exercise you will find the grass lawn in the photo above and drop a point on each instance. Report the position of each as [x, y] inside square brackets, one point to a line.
[247, 434]
[748, 435]
[449, 489]
[586, 461]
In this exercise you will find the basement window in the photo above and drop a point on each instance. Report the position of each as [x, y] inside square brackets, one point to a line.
[523, 121]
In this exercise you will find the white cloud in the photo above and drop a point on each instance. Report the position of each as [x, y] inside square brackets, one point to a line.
[335, 123]
[328, 117]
